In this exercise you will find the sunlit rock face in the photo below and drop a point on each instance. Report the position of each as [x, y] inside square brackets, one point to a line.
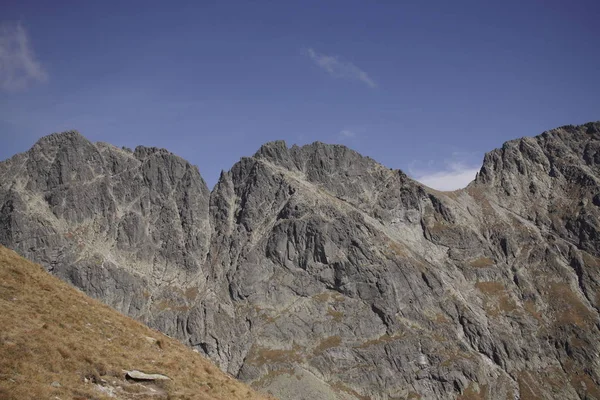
[315, 272]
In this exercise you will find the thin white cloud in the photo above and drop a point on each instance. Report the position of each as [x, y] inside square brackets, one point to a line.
[18, 65]
[339, 68]
[454, 176]
[346, 134]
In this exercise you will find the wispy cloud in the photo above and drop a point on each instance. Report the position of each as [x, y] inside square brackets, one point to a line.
[18, 65]
[453, 173]
[346, 134]
[339, 68]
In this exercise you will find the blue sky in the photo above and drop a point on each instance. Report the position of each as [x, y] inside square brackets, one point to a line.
[425, 86]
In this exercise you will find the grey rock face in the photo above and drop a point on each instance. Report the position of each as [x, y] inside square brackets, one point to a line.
[315, 271]
[122, 226]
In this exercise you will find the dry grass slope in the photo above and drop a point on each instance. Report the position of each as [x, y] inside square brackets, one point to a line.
[50, 332]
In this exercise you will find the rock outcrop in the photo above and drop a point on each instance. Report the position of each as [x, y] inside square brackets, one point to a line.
[316, 271]
[142, 376]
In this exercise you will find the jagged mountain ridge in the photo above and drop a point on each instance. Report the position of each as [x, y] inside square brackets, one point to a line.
[318, 271]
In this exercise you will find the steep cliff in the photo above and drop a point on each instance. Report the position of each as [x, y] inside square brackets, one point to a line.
[316, 272]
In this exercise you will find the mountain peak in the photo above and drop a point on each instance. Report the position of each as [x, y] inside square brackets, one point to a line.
[59, 138]
[549, 153]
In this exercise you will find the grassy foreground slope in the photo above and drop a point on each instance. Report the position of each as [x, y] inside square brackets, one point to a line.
[57, 343]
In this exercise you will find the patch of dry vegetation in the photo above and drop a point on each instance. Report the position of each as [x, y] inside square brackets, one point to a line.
[490, 288]
[590, 260]
[454, 356]
[167, 304]
[530, 307]
[328, 296]
[53, 333]
[337, 316]
[537, 385]
[528, 387]
[482, 262]
[393, 249]
[327, 343]
[435, 316]
[191, 293]
[569, 309]
[385, 338]
[534, 385]
[260, 356]
[437, 227]
[474, 392]
[585, 385]
[497, 301]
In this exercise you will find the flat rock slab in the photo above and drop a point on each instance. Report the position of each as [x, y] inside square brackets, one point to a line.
[141, 376]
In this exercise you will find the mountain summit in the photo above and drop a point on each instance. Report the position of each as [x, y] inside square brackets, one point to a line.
[315, 272]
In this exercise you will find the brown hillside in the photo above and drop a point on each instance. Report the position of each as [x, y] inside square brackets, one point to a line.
[57, 343]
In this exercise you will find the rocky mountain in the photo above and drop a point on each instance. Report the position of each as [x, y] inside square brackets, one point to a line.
[314, 272]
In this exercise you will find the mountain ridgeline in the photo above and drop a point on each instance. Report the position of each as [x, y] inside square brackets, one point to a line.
[315, 272]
